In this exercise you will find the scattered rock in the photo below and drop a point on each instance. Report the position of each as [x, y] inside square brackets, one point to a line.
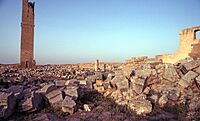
[68, 105]
[141, 107]
[33, 103]
[48, 88]
[144, 74]
[83, 83]
[154, 98]
[191, 65]
[17, 91]
[55, 98]
[123, 84]
[117, 79]
[7, 104]
[188, 79]
[128, 72]
[171, 74]
[71, 92]
[60, 83]
[100, 89]
[88, 107]
[163, 100]
[99, 76]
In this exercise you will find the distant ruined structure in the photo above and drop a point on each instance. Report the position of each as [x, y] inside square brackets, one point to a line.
[96, 65]
[27, 35]
[189, 47]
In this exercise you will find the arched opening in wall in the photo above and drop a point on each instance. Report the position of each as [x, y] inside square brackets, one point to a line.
[197, 35]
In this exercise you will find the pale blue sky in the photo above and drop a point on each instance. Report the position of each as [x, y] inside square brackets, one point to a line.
[78, 31]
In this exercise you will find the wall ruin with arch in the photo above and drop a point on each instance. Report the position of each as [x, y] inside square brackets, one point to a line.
[189, 46]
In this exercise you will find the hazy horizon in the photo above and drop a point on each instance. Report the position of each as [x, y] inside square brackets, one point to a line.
[80, 31]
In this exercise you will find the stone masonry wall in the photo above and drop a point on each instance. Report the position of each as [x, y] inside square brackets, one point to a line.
[187, 40]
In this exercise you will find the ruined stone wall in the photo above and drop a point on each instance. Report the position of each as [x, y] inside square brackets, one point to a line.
[195, 53]
[27, 35]
[187, 40]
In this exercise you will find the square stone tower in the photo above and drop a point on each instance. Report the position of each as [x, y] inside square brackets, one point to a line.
[27, 35]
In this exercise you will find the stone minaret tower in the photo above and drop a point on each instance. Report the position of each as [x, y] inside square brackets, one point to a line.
[27, 35]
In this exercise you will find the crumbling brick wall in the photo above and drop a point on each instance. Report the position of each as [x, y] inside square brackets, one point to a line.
[189, 46]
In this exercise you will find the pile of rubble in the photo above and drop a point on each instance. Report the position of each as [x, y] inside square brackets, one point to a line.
[142, 89]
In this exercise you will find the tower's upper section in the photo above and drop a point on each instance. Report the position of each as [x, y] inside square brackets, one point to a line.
[28, 12]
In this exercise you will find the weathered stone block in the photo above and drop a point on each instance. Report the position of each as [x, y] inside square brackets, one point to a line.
[72, 92]
[144, 73]
[60, 83]
[141, 107]
[138, 81]
[31, 104]
[48, 88]
[68, 105]
[190, 76]
[137, 88]
[7, 104]
[197, 70]
[124, 84]
[152, 80]
[83, 82]
[117, 79]
[191, 65]
[171, 74]
[55, 97]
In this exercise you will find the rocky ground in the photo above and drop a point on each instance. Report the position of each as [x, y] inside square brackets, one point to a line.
[144, 90]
